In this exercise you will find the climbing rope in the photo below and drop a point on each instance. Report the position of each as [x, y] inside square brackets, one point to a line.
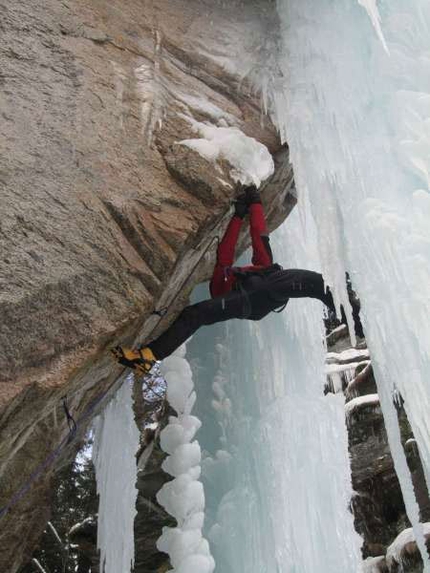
[73, 424]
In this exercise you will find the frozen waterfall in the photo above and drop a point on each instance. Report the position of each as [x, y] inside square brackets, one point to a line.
[352, 100]
[354, 106]
[276, 466]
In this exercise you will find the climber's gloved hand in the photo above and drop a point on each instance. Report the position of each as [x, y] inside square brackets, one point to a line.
[241, 206]
[252, 195]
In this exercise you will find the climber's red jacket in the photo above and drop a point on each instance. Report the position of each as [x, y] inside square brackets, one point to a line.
[223, 278]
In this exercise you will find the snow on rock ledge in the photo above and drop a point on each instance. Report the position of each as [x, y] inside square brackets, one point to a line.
[183, 497]
[374, 565]
[348, 356]
[405, 545]
[361, 402]
[250, 159]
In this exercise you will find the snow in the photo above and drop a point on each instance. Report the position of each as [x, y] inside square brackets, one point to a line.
[347, 356]
[356, 121]
[410, 442]
[361, 402]
[371, 564]
[77, 526]
[116, 442]
[339, 328]
[349, 366]
[183, 497]
[395, 550]
[251, 161]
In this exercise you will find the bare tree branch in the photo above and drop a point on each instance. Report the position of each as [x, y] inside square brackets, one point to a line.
[39, 566]
[56, 535]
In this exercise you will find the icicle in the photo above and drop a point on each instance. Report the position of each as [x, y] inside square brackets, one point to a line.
[116, 442]
[372, 9]
[357, 125]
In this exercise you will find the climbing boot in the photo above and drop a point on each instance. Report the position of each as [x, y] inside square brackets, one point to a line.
[141, 359]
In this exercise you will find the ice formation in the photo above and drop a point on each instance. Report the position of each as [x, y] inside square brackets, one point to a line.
[372, 9]
[116, 442]
[183, 497]
[341, 367]
[356, 119]
[340, 375]
[276, 472]
[250, 159]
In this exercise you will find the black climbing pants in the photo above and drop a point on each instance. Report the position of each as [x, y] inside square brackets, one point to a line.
[256, 299]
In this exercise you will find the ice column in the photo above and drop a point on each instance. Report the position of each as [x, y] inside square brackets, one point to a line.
[304, 444]
[183, 497]
[115, 445]
[356, 117]
[276, 469]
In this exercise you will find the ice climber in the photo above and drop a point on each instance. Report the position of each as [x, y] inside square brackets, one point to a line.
[249, 292]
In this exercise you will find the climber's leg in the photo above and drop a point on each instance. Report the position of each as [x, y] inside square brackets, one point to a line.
[232, 305]
[261, 251]
[300, 283]
[219, 309]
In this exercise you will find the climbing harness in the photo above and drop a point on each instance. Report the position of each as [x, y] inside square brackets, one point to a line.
[243, 274]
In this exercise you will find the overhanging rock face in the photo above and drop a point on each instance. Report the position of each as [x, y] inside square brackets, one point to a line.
[104, 214]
